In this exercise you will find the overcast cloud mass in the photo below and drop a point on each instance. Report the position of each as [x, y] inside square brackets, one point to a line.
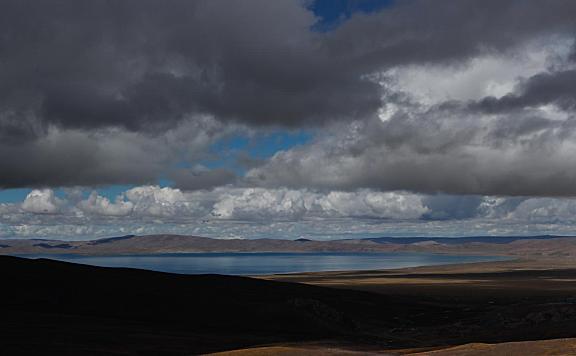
[421, 117]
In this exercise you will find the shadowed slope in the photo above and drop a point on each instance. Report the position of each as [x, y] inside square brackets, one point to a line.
[56, 306]
[69, 309]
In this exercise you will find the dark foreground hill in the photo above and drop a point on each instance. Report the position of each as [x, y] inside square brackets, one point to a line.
[50, 307]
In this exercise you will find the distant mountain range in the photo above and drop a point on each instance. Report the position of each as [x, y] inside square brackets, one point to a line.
[545, 245]
[461, 240]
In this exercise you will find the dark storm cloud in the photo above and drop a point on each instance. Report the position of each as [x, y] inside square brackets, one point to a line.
[558, 88]
[445, 149]
[76, 159]
[429, 31]
[445, 207]
[145, 66]
[204, 179]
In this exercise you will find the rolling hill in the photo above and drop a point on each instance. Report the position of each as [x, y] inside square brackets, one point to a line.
[547, 245]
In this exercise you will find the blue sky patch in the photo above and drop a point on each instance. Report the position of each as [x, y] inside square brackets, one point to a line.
[227, 152]
[332, 13]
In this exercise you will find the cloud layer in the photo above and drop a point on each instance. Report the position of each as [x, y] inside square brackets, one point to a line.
[279, 213]
[421, 112]
[433, 139]
[101, 83]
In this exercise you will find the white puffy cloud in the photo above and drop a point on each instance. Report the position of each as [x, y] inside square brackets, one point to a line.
[255, 204]
[98, 205]
[262, 204]
[157, 201]
[42, 201]
[529, 210]
[217, 213]
[366, 203]
[547, 210]
[228, 212]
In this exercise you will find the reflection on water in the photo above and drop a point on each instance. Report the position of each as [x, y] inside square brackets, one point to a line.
[269, 263]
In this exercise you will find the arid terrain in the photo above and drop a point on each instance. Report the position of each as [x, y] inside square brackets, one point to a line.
[533, 246]
[501, 303]
[149, 244]
[556, 347]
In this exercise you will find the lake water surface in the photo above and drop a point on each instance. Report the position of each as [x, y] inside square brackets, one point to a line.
[269, 263]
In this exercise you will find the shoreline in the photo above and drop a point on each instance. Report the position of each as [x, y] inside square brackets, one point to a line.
[176, 263]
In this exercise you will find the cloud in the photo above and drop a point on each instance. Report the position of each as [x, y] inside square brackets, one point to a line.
[229, 212]
[42, 202]
[143, 66]
[228, 203]
[103, 157]
[549, 88]
[432, 141]
[162, 202]
[223, 212]
[459, 97]
[545, 210]
[202, 178]
[482, 76]
[281, 213]
[442, 153]
[98, 205]
[273, 204]
[428, 32]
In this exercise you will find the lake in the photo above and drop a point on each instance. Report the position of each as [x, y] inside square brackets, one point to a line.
[269, 263]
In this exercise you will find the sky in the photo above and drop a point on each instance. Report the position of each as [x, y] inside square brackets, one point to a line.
[323, 119]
